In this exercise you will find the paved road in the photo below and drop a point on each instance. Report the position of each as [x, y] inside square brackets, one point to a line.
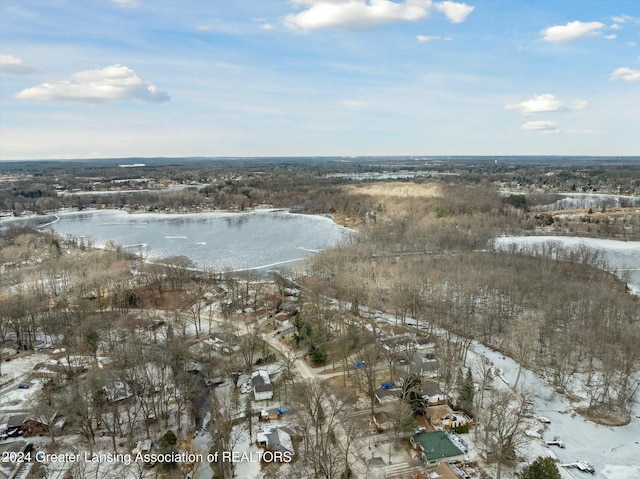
[356, 464]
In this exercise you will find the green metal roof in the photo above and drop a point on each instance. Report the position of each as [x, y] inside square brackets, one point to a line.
[437, 445]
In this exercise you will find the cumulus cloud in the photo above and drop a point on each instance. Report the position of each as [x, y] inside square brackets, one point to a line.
[613, 36]
[626, 74]
[538, 104]
[14, 66]
[546, 103]
[542, 126]
[432, 38]
[112, 83]
[354, 14]
[572, 31]
[456, 12]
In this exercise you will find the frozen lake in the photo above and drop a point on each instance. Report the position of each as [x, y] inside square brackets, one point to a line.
[258, 240]
[571, 201]
[613, 451]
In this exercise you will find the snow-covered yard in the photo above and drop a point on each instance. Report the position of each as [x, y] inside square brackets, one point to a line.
[16, 372]
[614, 452]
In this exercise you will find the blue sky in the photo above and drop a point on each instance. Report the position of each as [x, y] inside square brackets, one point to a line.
[106, 78]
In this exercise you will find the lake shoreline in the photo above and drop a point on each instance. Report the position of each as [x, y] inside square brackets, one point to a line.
[265, 238]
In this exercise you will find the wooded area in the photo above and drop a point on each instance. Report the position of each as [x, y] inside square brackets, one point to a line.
[133, 350]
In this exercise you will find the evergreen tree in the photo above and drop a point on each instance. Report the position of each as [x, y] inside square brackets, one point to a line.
[541, 468]
[465, 398]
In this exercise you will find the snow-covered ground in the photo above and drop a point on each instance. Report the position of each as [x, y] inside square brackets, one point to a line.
[201, 445]
[614, 452]
[247, 469]
[15, 372]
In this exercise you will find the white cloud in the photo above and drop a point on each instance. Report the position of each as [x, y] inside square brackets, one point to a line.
[613, 36]
[579, 104]
[625, 18]
[615, 26]
[14, 66]
[126, 3]
[268, 26]
[542, 126]
[354, 14]
[456, 12]
[538, 104]
[432, 38]
[572, 31]
[112, 83]
[626, 74]
[632, 44]
[583, 132]
[546, 103]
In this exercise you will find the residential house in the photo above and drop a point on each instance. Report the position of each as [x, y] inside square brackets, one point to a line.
[382, 421]
[105, 363]
[424, 364]
[276, 438]
[384, 395]
[35, 426]
[115, 389]
[425, 344]
[399, 343]
[432, 394]
[60, 368]
[15, 425]
[436, 447]
[223, 342]
[261, 384]
[443, 417]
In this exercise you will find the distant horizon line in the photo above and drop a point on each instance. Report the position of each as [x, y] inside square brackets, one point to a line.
[325, 157]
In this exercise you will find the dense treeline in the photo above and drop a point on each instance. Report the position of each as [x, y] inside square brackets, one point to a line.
[312, 185]
[558, 313]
